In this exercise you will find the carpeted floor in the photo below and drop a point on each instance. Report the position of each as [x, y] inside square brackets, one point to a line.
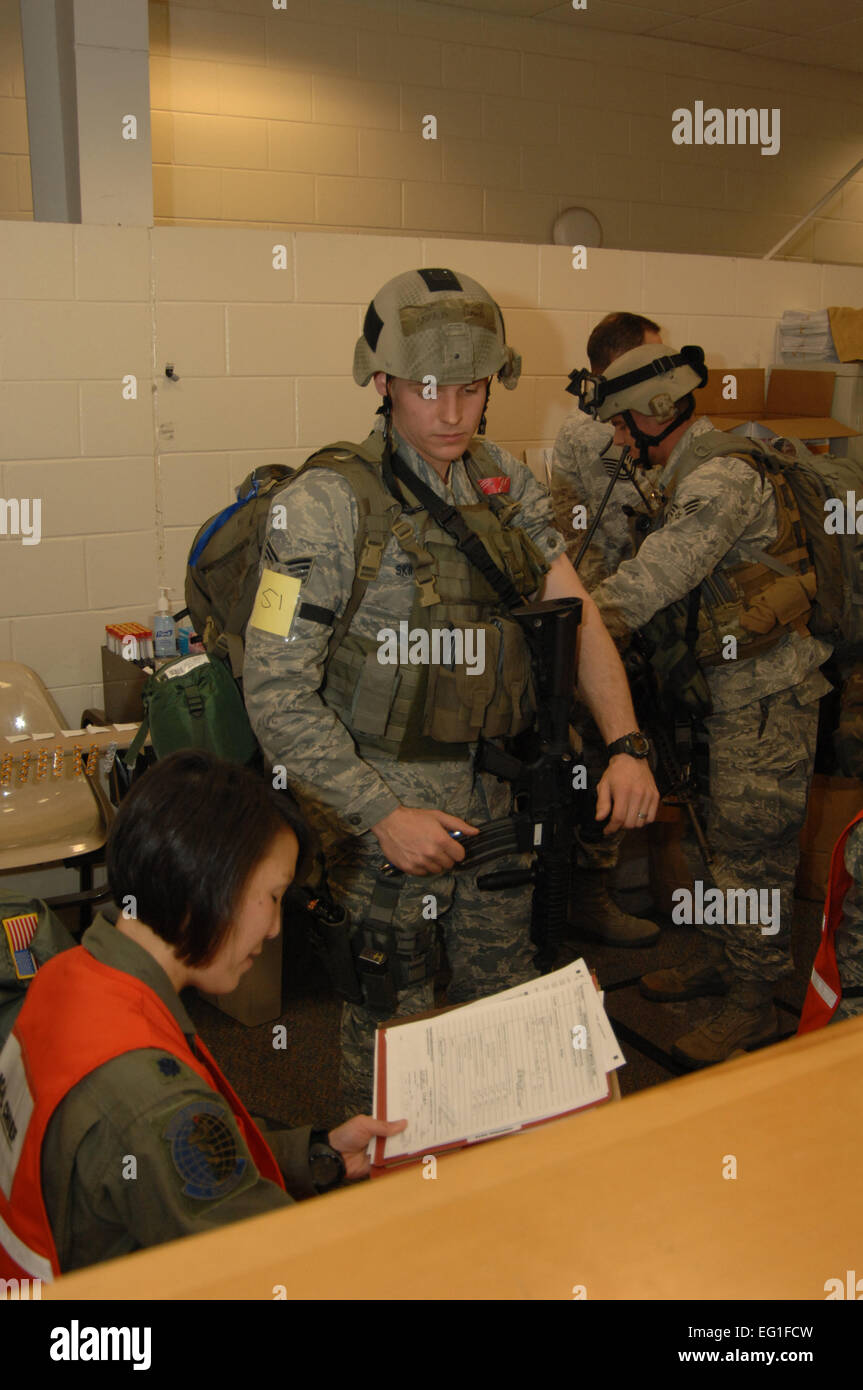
[299, 1084]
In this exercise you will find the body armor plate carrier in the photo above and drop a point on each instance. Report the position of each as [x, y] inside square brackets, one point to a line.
[434, 710]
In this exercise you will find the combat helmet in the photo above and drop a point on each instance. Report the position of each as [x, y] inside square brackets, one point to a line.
[437, 323]
[650, 379]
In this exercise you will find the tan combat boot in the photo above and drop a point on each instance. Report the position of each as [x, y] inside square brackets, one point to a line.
[746, 1020]
[595, 914]
[704, 972]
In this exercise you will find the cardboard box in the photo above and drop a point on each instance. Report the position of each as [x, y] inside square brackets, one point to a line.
[833, 802]
[122, 683]
[258, 997]
[794, 402]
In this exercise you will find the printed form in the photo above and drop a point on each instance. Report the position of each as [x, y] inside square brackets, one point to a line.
[527, 1054]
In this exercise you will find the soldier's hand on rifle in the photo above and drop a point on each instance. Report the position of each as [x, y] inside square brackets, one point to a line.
[628, 790]
[419, 842]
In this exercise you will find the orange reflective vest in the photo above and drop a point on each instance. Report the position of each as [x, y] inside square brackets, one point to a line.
[79, 1014]
[825, 987]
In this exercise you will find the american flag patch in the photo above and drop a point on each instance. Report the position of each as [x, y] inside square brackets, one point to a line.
[492, 487]
[19, 933]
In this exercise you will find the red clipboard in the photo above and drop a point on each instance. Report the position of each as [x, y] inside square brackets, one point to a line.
[381, 1165]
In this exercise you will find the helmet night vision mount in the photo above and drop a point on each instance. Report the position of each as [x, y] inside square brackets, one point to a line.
[650, 379]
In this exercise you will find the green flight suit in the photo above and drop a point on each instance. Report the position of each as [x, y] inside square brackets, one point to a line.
[100, 1204]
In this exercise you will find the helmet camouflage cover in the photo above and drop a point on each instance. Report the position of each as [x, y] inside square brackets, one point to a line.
[651, 379]
[435, 323]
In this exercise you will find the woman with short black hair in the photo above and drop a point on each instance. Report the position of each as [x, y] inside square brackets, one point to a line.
[177, 866]
[124, 1131]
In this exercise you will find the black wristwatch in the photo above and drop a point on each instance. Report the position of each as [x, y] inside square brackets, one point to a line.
[326, 1164]
[637, 745]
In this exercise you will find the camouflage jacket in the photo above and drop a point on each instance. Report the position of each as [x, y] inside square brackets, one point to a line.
[579, 477]
[98, 1205]
[346, 794]
[849, 938]
[721, 503]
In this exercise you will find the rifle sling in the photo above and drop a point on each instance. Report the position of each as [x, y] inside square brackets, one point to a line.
[450, 520]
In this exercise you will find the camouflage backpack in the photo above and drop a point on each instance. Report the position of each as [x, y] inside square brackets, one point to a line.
[819, 483]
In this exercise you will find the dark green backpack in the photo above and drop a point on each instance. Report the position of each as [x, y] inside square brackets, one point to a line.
[194, 702]
[222, 573]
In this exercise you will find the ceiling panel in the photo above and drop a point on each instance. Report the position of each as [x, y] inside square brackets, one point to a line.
[711, 32]
[615, 16]
[827, 33]
[788, 16]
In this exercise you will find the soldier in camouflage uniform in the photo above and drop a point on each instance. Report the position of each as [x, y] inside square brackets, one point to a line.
[849, 938]
[584, 460]
[719, 515]
[849, 944]
[848, 742]
[583, 463]
[381, 757]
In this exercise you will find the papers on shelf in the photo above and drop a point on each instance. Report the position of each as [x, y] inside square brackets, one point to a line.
[528, 1054]
[801, 336]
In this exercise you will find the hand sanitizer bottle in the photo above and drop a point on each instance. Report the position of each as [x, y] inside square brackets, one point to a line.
[164, 633]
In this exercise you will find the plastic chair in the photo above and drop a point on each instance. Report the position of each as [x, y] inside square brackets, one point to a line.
[47, 819]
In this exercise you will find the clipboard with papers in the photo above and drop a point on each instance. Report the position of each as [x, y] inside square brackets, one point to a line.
[496, 1066]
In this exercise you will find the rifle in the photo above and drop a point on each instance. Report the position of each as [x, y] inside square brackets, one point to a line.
[540, 769]
[645, 689]
[673, 780]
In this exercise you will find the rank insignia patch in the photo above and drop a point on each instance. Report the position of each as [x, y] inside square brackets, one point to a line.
[676, 510]
[204, 1150]
[19, 933]
[300, 568]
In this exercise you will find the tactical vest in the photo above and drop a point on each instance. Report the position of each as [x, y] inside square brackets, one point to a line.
[97, 1012]
[435, 710]
[757, 602]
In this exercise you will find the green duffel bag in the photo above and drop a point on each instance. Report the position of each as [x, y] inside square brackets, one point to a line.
[194, 702]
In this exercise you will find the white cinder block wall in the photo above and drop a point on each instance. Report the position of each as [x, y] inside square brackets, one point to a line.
[312, 117]
[264, 360]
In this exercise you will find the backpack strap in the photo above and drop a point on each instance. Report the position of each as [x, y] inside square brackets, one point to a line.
[768, 463]
[451, 521]
[378, 514]
[137, 742]
[227, 645]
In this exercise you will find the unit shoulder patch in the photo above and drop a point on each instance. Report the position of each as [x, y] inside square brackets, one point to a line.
[204, 1151]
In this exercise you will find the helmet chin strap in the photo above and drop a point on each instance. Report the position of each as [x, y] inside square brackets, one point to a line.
[646, 442]
[481, 426]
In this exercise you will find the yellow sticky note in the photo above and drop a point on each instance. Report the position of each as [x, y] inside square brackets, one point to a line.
[275, 603]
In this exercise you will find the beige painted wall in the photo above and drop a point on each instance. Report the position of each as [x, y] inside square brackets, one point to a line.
[311, 117]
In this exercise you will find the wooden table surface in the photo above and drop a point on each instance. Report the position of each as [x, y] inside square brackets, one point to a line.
[627, 1200]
